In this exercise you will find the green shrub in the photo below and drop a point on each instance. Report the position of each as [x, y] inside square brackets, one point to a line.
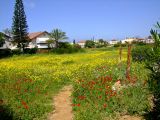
[89, 44]
[16, 52]
[77, 46]
[141, 53]
[118, 45]
[154, 66]
[66, 50]
[64, 45]
[5, 53]
[138, 43]
[30, 50]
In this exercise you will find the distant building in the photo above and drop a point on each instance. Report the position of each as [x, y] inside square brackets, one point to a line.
[149, 40]
[128, 40]
[38, 39]
[112, 42]
[7, 43]
[82, 43]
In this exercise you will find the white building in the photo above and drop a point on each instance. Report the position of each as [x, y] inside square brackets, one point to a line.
[149, 40]
[112, 42]
[38, 39]
[128, 40]
[146, 40]
[82, 43]
[7, 43]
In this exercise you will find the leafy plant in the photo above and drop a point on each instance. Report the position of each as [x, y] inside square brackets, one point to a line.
[57, 35]
[154, 66]
[141, 53]
[89, 44]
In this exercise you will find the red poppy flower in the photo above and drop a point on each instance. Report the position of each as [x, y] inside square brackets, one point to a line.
[78, 104]
[105, 105]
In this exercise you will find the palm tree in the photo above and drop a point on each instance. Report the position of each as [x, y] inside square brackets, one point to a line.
[57, 35]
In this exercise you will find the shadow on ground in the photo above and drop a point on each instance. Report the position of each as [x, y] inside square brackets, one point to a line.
[155, 113]
[6, 113]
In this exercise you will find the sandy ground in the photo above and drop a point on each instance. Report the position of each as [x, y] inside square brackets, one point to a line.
[62, 105]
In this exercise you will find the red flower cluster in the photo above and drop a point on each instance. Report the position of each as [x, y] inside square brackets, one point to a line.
[25, 105]
[81, 97]
[78, 105]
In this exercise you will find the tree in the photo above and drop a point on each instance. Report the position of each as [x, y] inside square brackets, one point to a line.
[154, 65]
[89, 44]
[57, 35]
[101, 41]
[50, 43]
[8, 32]
[19, 26]
[74, 41]
[2, 39]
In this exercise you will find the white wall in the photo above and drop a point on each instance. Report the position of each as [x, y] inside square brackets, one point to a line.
[40, 41]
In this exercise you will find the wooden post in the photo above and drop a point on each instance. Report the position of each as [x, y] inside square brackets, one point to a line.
[120, 53]
[128, 62]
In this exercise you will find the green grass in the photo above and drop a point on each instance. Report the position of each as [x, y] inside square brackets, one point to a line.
[94, 98]
[29, 83]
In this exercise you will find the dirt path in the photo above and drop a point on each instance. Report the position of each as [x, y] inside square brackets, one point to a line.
[128, 117]
[62, 105]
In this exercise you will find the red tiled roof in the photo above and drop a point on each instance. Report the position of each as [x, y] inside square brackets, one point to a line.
[82, 41]
[35, 34]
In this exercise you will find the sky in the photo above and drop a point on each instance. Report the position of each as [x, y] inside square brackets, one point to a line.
[85, 19]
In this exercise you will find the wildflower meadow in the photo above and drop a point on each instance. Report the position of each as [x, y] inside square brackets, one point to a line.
[100, 87]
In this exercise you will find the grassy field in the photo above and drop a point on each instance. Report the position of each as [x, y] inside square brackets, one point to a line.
[29, 82]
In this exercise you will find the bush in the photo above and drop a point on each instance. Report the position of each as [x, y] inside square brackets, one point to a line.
[64, 45]
[141, 53]
[154, 66]
[16, 52]
[5, 53]
[90, 44]
[118, 45]
[72, 49]
[77, 46]
[30, 50]
[139, 43]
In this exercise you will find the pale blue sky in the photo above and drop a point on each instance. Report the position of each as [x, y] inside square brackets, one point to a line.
[83, 19]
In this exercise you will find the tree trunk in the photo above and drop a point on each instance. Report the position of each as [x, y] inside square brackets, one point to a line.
[128, 62]
[56, 45]
[23, 47]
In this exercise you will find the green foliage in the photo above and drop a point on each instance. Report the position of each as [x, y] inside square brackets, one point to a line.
[5, 53]
[30, 50]
[120, 44]
[154, 66]
[66, 50]
[139, 43]
[94, 98]
[2, 40]
[50, 43]
[19, 26]
[57, 35]
[101, 43]
[64, 45]
[89, 44]
[141, 53]
[77, 46]
[16, 52]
